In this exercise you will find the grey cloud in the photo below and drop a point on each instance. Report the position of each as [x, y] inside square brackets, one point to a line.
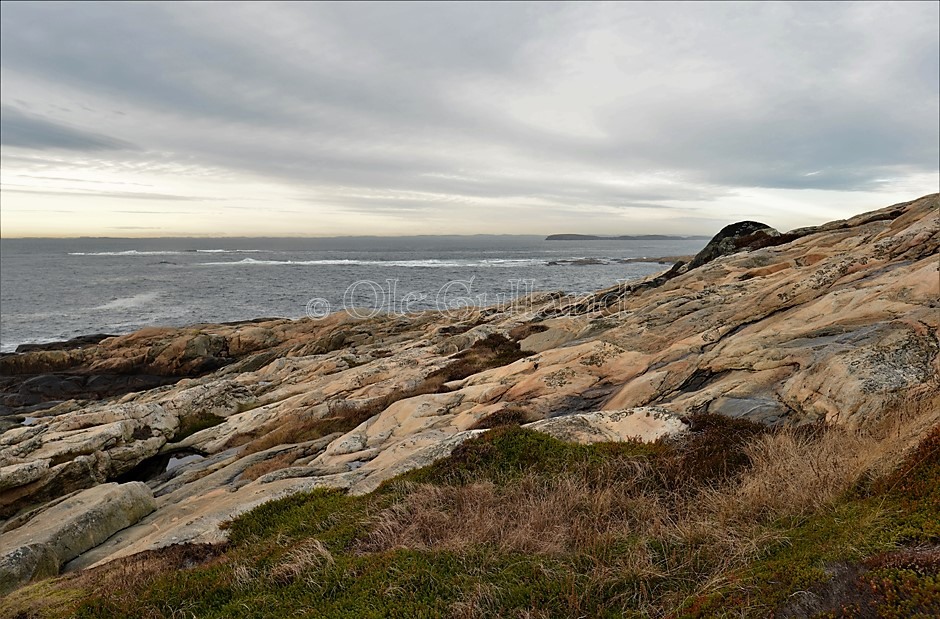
[196, 59]
[124, 195]
[77, 180]
[27, 131]
[343, 100]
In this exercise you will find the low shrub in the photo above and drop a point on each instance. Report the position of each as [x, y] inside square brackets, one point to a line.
[517, 523]
[511, 416]
[196, 422]
[493, 351]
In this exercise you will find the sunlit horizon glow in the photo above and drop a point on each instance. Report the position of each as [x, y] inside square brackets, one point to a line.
[286, 120]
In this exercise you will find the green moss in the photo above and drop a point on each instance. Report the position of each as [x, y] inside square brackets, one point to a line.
[39, 600]
[190, 424]
[326, 514]
[510, 451]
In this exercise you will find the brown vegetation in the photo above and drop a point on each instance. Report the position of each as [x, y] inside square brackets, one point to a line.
[584, 531]
[299, 559]
[270, 465]
[512, 415]
[493, 351]
[697, 508]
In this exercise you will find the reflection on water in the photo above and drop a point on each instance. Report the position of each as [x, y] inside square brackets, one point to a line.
[179, 460]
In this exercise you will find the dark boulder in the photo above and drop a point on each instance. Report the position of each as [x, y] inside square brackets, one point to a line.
[76, 342]
[25, 391]
[734, 238]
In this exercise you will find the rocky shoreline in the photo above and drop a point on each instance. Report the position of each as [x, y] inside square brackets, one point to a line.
[834, 324]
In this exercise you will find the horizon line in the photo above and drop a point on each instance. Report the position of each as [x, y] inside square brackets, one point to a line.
[344, 236]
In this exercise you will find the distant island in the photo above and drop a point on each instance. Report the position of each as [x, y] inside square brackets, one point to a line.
[625, 237]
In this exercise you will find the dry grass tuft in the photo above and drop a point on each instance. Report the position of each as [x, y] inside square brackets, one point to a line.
[639, 522]
[792, 474]
[480, 601]
[270, 465]
[530, 515]
[243, 576]
[116, 581]
[139, 569]
[308, 555]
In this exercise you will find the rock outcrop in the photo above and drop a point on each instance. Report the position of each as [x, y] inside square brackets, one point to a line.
[646, 424]
[836, 324]
[38, 544]
[733, 238]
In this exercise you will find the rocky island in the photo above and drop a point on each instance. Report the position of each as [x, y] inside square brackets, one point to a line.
[753, 432]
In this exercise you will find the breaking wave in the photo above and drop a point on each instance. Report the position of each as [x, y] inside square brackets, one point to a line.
[432, 263]
[129, 252]
[165, 252]
[124, 303]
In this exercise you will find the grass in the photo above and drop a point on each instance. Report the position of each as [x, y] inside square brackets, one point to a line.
[196, 422]
[493, 351]
[730, 521]
[509, 451]
[829, 542]
[512, 415]
[270, 465]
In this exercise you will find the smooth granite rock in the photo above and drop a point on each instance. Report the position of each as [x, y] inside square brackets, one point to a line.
[41, 545]
[646, 424]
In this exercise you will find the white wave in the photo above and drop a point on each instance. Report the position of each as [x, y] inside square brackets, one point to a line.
[230, 251]
[129, 302]
[129, 252]
[12, 346]
[431, 263]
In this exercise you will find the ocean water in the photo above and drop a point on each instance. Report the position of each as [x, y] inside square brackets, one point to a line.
[55, 289]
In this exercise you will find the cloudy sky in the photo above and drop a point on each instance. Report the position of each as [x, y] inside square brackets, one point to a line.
[331, 119]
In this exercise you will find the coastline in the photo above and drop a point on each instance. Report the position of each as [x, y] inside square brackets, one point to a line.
[831, 326]
[118, 292]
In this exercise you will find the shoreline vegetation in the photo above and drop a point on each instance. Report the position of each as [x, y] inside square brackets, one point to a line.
[735, 522]
[753, 433]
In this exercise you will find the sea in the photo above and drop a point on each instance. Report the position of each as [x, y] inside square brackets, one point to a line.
[57, 289]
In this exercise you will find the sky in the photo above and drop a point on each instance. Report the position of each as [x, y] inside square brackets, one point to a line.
[322, 119]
